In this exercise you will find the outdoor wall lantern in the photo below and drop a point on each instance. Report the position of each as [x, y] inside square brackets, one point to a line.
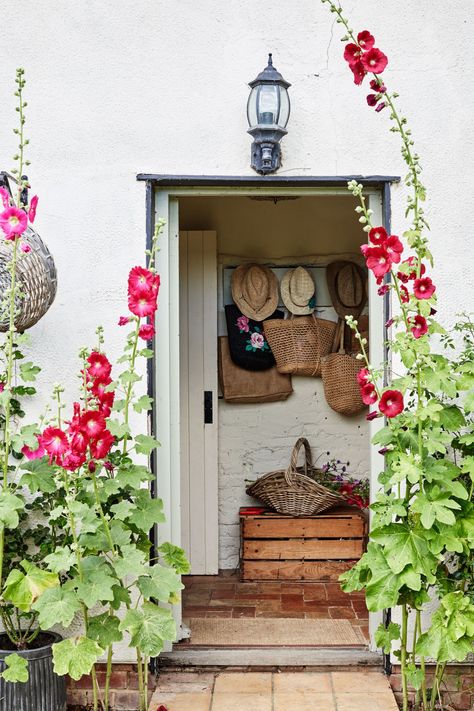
[268, 111]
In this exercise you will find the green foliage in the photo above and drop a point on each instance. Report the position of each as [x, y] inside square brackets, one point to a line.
[16, 669]
[75, 656]
[149, 628]
[23, 588]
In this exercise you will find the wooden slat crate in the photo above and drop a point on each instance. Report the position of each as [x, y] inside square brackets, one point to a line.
[316, 548]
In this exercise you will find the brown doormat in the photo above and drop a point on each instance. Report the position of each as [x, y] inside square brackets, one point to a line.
[277, 632]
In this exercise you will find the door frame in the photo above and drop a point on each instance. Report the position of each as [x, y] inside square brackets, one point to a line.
[162, 195]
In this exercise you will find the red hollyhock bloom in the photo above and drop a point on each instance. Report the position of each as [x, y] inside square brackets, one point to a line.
[143, 281]
[92, 423]
[372, 99]
[363, 376]
[423, 288]
[34, 453]
[72, 461]
[378, 86]
[382, 290]
[352, 53]
[358, 71]
[104, 397]
[394, 248]
[391, 403]
[123, 320]
[365, 40]
[55, 443]
[420, 326]
[32, 208]
[146, 331]
[142, 305]
[374, 61]
[79, 443]
[102, 445]
[378, 260]
[378, 235]
[99, 366]
[368, 394]
[404, 295]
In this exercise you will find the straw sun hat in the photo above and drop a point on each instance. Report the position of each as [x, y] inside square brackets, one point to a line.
[297, 291]
[347, 287]
[255, 290]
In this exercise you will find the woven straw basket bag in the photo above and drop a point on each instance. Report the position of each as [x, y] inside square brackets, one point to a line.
[339, 373]
[299, 343]
[289, 491]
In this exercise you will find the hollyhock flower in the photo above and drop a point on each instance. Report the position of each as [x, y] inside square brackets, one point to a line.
[92, 467]
[381, 106]
[394, 248]
[143, 281]
[389, 323]
[79, 443]
[365, 40]
[374, 61]
[372, 99]
[13, 222]
[72, 461]
[108, 466]
[391, 403]
[32, 208]
[373, 415]
[34, 453]
[368, 394]
[384, 450]
[378, 260]
[423, 288]
[5, 197]
[257, 340]
[363, 376]
[123, 320]
[382, 290]
[358, 71]
[142, 305]
[146, 331]
[99, 366]
[92, 423]
[101, 446]
[378, 235]
[55, 443]
[420, 326]
[243, 324]
[104, 397]
[378, 86]
[352, 53]
[25, 247]
[404, 295]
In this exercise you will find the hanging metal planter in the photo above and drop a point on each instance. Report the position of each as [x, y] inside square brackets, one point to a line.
[36, 276]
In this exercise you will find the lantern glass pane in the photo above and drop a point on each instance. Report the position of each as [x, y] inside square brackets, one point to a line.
[284, 107]
[268, 104]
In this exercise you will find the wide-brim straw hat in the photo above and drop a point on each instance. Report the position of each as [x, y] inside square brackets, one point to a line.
[297, 291]
[347, 284]
[255, 290]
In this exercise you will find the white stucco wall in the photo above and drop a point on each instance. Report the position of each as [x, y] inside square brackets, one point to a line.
[117, 88]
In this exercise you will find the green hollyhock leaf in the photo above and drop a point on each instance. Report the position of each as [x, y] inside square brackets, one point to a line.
[10, 504]
[175, 557]
[75, 657]
[56, 605]
[131, 562]
[120, 534]
[85, 517]
[149, 627]
[384, 436]
[467, 466]
[415, 676]
[104, 629]
[123, 509]
[406, 468]
[96, 587]
[128, 377]
[144, 444]
[17, 669]
[133, 475]
[161, 583]
[143, 403]
[437, 507]
[384, 636]
[38, 476]
[23, 589]
[62, 559]
[26, 436]
[148, 511]
[121, 595]
[430, 411]
[451, 418]
[118, 429]
[406, 546]
[29, 371]
[469, 402]
[382, 590]
[146, 353]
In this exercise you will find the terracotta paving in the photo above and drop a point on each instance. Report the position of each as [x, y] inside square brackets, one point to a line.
[225, 595]
[267, 691]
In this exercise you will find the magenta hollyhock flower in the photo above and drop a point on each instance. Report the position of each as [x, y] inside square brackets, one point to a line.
[5, 197]
[378, 85]
[394, 248]
[404, 295]
[391, 403]
[378, 235]
[365, 40]
[143, 281]
[352, 53]
[357, 69]
[142, 305]
[13, 222]
[378, 260]
[34, 453]
[368, 394]
[101, 446]
[123, 320]
[72, 461]
[373, 415]
[32, 208]
[92, 423]
[380, 106]
[372, 99]
[146, 331]
[420, 326]
[423, 288]
[99, 366]
[25, 247]
[374, 61]
[363, 376]
[55, 443]
[79, 443]
[382, 290]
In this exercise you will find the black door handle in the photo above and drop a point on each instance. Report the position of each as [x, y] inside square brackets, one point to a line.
[208, 406]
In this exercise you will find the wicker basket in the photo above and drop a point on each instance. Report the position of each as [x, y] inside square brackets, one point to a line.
[36, 275]
[298, 344]
[289, 491]
[339, 373]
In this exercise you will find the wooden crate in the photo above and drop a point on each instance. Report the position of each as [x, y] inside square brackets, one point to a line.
[316, 548]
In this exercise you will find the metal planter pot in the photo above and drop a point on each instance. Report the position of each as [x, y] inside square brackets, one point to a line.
[44, 690]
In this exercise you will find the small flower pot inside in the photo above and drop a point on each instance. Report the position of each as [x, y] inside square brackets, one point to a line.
[44, 690]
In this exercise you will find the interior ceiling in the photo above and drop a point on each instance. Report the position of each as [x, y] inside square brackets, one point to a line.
[262, 228]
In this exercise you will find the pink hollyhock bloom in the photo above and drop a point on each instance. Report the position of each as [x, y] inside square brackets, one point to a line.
[404, 295]
[79, 443]
[368, 394]
[391, 403]
[55, 443]
[146, 331]
[358, 71]
[352, 53]
[34, 453]
[13, 222]
[423, 288]
[123, 320]
[381, 106]
[372, 99]
[102, 445]
[374, 61]
[382, 290]
[32, 208]
[92, 423]
[243, 324]
[72, 461]
[394, 248]
[365, 40]
[142, 305]
[5, 197]
[25, 247]
[378, 235]
[420, 326]
[378, 260]
[257, 340]
[143, 281]
[363, 376]
[99, 366]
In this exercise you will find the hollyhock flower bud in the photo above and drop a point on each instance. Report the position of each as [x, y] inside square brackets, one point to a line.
[146, 331]
[123, 320]
[373, 415]
[25, 247]
[372, 99]
[368, 394]
[382, 290]
[378, 235]
[365, 40]
[420, 326]
[391, 403]
[32, 208]
[404, 295]
[92, 467]
[5, 197]
[108, 466]
[423, 288]
[13, 222]
[384, 450]
[389, 323]
[374, 61]
[381, 106]
[378, 86]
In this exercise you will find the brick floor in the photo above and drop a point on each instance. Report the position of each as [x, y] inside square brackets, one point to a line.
[266, 691]
[225, 595]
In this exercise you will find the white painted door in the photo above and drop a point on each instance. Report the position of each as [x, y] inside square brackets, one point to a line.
[198, 379]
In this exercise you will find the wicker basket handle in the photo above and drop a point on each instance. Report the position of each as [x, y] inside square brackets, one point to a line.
[308, 462]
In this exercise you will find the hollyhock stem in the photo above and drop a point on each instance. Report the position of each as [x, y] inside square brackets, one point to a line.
[128, 393]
